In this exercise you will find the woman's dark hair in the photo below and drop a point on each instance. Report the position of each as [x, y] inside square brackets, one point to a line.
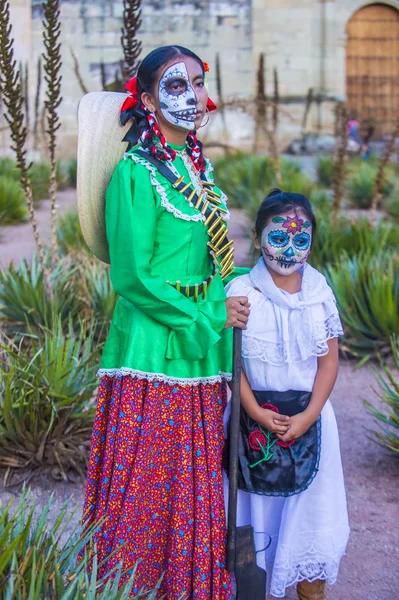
[144, 128]
[278, 202]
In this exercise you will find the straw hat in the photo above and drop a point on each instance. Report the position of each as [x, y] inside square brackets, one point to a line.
[100, 148]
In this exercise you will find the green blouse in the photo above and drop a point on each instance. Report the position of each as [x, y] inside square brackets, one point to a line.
[156, 237]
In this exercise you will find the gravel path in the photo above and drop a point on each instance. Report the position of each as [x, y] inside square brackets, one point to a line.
[369, 571]
[16, 241]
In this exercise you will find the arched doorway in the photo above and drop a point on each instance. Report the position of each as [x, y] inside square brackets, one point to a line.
[372, 66]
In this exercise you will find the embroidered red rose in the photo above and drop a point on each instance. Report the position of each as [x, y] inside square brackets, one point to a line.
[257, 439]
[285, 444]
[293, 224]
[270, 407]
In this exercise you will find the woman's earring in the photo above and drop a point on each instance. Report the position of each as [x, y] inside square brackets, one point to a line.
[205, 124]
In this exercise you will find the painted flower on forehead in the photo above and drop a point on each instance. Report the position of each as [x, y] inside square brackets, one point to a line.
[293, 224]
[206, 66]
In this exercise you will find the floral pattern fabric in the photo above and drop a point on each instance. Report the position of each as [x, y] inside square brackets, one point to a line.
[155, 475]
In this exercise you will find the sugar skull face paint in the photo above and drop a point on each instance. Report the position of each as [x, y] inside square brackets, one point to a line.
[177, 98]
[286, 242]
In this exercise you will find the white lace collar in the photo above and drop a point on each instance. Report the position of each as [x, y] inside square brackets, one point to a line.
[288, 328]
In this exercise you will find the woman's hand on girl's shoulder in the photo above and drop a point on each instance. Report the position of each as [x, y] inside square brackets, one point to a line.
[238, 309]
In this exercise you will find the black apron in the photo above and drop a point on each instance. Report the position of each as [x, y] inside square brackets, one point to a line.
[268, 466]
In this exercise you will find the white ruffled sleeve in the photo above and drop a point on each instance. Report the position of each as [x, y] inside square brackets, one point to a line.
[326, 323]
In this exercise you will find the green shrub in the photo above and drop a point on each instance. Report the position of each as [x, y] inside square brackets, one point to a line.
[247, 179]
[321, 201]
[39, 175]
[8, 168]
[244, 178]
[391, 204]
[343, 235]
[48, 380]
[12, 201]
[36, 563]
[294, 180]
[72, 170]
[355, 162]
[387, 419]
[360, 186]
[69, 233]
[25, 301]
[325, 171]
[367, 291]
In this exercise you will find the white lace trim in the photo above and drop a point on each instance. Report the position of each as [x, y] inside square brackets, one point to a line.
[209, 168]
[192, 172]
[311, 563]
[311, 345]
[162, 192]
[310, 569]
[164, 378]
[194, 177]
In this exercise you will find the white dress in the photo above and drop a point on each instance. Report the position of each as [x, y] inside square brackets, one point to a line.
[309, 531]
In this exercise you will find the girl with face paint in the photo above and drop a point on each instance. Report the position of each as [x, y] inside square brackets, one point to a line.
[289, 451]
[155, 474]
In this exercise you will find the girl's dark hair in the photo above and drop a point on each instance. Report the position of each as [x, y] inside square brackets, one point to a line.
[146, 77]
[278, 202]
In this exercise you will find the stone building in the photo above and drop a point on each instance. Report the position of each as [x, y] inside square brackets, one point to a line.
[339, 49]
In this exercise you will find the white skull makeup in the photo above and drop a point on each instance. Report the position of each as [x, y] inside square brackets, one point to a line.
[286, 242]
[177, 99]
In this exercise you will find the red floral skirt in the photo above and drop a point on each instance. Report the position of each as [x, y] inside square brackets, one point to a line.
[155, 475]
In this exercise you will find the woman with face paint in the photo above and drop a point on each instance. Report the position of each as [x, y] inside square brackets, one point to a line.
[155, 468]
[290, 475]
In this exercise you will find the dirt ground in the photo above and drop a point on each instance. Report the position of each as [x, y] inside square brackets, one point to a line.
[370, 570]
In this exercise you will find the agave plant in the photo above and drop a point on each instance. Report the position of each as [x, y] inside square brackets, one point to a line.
[98, 290]
[387, 418]
[40, 561]
[343, 235]
[24, 300]
[46, 413]
[367, 292]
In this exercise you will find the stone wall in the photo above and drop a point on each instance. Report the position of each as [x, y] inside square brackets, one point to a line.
[289, 32]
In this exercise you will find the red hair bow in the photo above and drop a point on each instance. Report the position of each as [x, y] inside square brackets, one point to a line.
[211, 106]
[133, 99]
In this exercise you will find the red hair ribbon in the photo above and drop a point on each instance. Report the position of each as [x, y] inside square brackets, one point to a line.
[133, 99]
[211, 106]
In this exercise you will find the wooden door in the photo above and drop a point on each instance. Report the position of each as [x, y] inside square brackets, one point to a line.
[372, 67]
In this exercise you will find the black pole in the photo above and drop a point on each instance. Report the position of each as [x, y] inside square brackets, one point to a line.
[233, 461]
